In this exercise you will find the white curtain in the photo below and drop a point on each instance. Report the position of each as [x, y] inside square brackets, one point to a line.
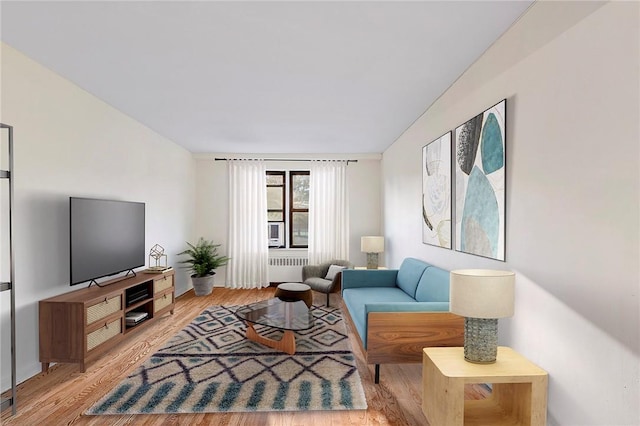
[248, 240]
[328, 212]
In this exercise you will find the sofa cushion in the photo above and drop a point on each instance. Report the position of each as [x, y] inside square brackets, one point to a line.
[369, 278]
[409, 274]
[356, 300]
[433, 285]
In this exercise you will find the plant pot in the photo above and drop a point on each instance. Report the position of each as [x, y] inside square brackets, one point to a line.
[202, 286]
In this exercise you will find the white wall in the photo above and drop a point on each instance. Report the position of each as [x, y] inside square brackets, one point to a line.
[69, 143]
[570, 73]
[213, 193]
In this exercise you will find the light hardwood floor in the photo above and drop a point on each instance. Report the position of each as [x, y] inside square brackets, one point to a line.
[61, 396]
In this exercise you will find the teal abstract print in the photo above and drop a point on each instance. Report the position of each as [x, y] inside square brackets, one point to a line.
[480, 183]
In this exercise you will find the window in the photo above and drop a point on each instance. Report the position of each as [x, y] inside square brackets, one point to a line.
[299, 212]
[288, 203]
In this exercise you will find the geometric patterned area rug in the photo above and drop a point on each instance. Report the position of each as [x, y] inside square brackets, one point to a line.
[210, 367]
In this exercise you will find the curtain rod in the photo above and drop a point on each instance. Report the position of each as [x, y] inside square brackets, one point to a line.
[281, 159]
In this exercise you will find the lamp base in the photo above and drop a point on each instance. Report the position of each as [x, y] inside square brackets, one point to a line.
[372, 260]
[480, 340]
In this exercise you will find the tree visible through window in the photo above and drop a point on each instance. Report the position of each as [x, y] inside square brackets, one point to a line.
[299, 212]
[275, 196]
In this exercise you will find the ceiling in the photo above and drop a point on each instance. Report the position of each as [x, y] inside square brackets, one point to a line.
[262, 77]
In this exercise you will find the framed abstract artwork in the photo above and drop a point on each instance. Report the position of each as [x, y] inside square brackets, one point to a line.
[480, 149]
[436, 192]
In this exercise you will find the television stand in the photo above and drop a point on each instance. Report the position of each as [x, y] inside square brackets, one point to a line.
[79, 326]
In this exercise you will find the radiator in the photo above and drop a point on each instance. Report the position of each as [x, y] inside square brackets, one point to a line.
[286, 269]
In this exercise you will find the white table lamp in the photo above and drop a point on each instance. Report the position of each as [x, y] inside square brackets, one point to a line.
[482, 296]
[372, 246]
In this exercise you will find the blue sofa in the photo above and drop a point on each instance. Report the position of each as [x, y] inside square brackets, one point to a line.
[398, 312]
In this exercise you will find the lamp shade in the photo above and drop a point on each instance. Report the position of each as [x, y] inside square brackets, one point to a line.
[372, 244]
[482, 293]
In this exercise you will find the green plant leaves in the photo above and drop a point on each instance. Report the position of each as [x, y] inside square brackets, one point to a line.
[203, 258]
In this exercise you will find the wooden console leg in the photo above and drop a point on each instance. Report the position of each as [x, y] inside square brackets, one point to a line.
[287, 344]
[45, 367]
[376, 379]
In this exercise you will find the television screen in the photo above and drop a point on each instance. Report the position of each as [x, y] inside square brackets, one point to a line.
[107, 237]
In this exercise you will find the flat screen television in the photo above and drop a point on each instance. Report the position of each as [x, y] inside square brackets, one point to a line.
[107, 237]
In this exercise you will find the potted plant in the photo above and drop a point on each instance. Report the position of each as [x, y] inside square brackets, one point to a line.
[203, 259]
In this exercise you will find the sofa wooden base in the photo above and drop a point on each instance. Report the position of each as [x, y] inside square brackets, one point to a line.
[400, 337]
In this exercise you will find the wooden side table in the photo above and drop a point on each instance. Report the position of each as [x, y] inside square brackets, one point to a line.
[518, 397]
[290, 292]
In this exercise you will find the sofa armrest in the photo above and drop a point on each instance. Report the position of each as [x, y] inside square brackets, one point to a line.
[357, 278]
[399, 337]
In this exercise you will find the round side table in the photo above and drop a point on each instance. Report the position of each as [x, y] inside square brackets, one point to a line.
[290, 292]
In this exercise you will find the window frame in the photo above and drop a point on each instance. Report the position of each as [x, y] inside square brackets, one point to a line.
[287, 211]
[292, 210]
[283, 210]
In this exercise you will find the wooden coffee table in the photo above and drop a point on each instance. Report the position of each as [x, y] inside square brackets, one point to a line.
[276, 313]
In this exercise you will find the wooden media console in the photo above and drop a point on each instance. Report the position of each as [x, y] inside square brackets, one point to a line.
[79, 326]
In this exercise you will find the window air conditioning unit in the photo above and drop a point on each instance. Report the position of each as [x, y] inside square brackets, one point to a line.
[276, 234]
